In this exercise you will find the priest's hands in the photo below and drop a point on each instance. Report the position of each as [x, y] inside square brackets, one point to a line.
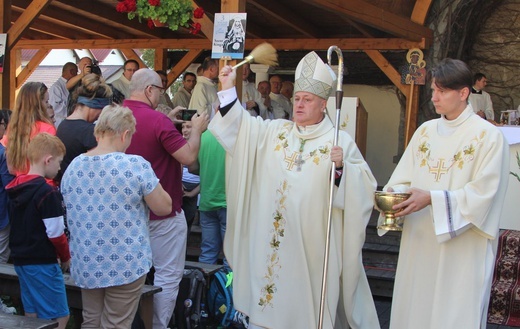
[418, 200]
[336, 155]
[227, 77]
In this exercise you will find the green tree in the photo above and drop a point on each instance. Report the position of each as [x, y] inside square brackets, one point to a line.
[148, 56]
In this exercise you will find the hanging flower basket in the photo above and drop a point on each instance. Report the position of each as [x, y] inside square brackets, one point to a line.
[171, 13]
[157, 23]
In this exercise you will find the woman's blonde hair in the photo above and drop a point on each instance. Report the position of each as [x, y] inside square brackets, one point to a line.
[29, 109]
[114, 120]
[94, 86]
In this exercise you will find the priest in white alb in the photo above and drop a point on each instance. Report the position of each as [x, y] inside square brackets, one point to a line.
[456, 169]
[278, 197]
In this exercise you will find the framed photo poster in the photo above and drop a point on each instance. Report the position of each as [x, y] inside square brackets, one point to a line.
[229, 35]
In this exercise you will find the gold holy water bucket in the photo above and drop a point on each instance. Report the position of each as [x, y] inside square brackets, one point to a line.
[384, 201]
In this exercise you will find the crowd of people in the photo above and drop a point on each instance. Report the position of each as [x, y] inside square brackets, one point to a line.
[111, 188]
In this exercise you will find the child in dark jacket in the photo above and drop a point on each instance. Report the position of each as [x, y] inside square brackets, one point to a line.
[37, 237]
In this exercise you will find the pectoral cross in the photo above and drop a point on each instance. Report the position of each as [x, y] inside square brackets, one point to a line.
[299, 162]
[439, 170]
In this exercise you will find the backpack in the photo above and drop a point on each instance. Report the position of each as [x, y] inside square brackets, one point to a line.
[187, 313]
[220, 300]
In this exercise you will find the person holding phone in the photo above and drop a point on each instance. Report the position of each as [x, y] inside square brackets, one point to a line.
[158, 141]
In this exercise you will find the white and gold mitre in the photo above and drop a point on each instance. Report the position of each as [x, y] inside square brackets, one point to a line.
[314, 76]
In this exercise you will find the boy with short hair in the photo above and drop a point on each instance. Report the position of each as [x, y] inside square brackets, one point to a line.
[37, 235]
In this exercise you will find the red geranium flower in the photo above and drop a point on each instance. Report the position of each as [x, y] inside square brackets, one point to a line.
[131, 5]
[154, 3]
[198, 13]
[126, 6]
[150, 24]
[121, 7]
[195, 28]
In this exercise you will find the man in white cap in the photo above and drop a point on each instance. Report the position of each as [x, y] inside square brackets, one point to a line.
[276, 233]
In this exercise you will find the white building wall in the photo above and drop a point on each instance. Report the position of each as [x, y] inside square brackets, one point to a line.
[58, 57]
[383, 109]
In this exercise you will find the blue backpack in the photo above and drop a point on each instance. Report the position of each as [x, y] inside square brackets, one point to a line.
[220, 300]
[220, 297]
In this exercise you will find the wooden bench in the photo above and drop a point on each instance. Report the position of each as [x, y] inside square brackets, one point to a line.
[9, 286]
[10, 321]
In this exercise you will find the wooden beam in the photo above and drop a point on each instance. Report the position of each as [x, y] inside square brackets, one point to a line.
[160, 59]
[359, 27]
[31, 12]
[389, 70]
[183, 64]
[30, 67]
[67, 20]
[51, 29]
[5, 15]
[233, 6]
[106, 14]
[130, 54]
[5, 24]
[376, 17]
[420, 11]
[206, 24]
[15, 65]
[412, 105]
[286, 15]
[280, 44]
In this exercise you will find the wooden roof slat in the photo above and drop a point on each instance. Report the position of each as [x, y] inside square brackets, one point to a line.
[205, 22]
[379, 18]
[286, 15]
[64, 18]
[183, 64]
[131, 54]
[389, 70]
[31, 12]
[420, 11]
[46, 29]
[108, 16]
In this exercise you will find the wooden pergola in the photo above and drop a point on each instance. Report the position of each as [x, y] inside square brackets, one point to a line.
[372, 27]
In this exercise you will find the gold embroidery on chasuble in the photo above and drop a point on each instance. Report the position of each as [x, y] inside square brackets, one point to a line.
[273, 258]
[438, 166]
[294, 160]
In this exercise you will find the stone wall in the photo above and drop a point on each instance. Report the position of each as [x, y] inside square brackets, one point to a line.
[484, 34]
[496, 53]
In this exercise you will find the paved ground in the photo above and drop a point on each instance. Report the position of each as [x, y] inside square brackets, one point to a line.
[383, 310]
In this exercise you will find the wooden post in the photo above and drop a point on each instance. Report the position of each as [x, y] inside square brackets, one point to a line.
[5, 23]
[412, 107]
[409, 100]
[160, 59]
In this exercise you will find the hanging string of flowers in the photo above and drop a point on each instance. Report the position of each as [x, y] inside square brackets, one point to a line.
[173, 13]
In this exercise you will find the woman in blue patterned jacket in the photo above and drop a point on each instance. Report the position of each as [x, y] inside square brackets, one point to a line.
[108, 195]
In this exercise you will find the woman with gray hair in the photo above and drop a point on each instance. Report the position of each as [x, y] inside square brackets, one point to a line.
[108, 195]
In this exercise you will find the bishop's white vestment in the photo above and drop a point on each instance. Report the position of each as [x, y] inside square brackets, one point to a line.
[448, 249]
[276, 225]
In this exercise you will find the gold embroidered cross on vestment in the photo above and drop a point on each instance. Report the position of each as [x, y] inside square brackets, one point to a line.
[439, 170]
